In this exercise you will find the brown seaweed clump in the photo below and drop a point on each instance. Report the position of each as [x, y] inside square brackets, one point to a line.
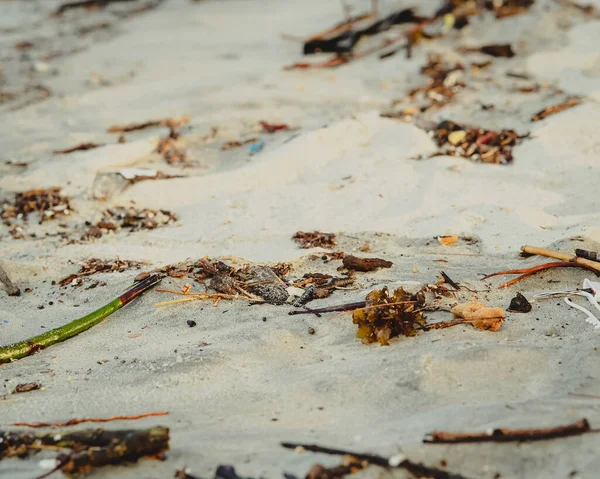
[386, 317]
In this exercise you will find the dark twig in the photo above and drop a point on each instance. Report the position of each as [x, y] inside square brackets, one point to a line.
[418, 470]
[591, 255]
[86, 3]
[73, 422]
[449, 281]
[505, 435]
[332, 309]
[11, 289]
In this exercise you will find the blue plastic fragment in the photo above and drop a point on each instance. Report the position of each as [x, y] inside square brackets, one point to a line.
[256, 147]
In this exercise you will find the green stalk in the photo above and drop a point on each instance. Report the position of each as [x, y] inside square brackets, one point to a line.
[29, 346]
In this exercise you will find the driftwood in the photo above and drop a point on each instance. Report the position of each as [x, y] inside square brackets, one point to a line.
[506, 435]
[418, 470]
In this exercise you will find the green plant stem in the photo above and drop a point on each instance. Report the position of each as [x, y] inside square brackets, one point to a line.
[29, 346]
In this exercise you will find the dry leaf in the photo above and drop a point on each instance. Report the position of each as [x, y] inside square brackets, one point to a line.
[448, 240]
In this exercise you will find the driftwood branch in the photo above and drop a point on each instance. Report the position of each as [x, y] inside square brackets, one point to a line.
[419, 470]
[561, 256]
[506, 435]
[30, 346]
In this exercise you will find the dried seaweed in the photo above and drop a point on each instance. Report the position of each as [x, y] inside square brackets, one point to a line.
[95, 266]
[474, 143]
[237, 143]
[552, 110]
[171, 123]
[80, 147]
[48, 203]
[315, 239]
[364, 264]
[503, 50]
[273, 127]
[386, 317]
[344, 43]
[131, 218]
[26, 387]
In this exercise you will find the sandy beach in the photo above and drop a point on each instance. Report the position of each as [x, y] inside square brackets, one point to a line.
[247, 377]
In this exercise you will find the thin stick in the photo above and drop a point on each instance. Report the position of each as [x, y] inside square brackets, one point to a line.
[332, 309]
[530, 271]
[591, 396]
[505, 435]
[562, 256]
[448, 280]
[10, 287]
[348, 307]
[198, 296]
[418, 470]
[86, 3]
[72, 422]
[29, 346]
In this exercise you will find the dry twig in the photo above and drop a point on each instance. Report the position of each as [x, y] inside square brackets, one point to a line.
[505, 435]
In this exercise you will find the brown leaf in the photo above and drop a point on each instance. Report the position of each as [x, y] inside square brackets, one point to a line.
[26, 387]
[365, 264]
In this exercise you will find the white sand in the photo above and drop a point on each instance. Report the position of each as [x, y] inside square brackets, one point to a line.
[345, 170]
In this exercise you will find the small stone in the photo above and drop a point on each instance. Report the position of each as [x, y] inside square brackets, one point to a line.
[311, 330]
[519, 304]
[191, 323]
[457, 137]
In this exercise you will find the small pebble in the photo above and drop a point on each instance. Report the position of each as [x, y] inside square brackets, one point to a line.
[191, 323]
[311, 330]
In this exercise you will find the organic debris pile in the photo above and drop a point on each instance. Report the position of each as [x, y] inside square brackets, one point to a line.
[134, 219]
[446, 80]
[474, 143]
[385, 317]
[95, 266]
[48, 203]
[315, 239]
[88, 448]
[257, 283]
